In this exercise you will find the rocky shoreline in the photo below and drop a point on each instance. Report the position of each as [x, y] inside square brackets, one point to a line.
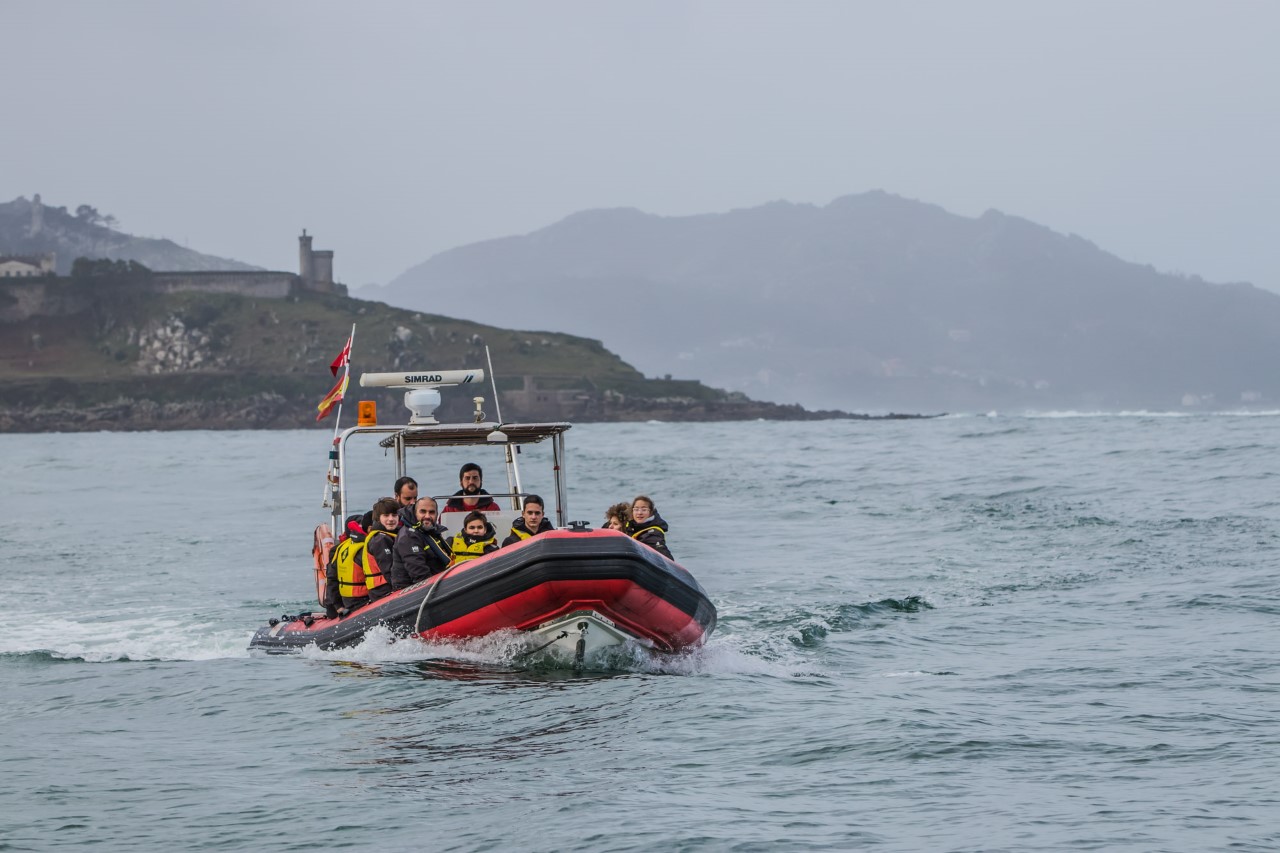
[270, 410]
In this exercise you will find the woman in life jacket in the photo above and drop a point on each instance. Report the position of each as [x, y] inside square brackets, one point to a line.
[647, 526]
[476, 539]
[354, 575]
[379, 548]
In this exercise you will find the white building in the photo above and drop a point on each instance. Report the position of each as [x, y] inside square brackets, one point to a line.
[18, 266]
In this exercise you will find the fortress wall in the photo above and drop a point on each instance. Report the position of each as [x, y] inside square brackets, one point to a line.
[22, 299]
[263, 285]
[548, 404]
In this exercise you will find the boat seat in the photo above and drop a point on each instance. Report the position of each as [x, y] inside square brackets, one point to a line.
[501, 520]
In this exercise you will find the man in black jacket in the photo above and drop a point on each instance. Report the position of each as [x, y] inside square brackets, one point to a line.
[530, 523]
[406, 491]
[420, 550]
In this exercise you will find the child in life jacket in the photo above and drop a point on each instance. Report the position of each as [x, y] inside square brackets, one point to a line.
[476, 539]
[343, 590]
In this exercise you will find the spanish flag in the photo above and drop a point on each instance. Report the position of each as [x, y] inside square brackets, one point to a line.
[332, 398]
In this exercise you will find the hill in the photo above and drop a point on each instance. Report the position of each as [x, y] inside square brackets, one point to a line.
[33, 228]
[875, 302]
[116, 352]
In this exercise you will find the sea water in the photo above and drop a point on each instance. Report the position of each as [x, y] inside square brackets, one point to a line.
[968, 633]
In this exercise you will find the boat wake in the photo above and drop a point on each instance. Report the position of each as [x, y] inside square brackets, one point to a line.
[507, 652]
[104, 640]
[501, 654]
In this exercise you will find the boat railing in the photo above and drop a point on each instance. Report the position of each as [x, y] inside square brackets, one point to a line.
[511, 501]
[400, 438]
[452, 497]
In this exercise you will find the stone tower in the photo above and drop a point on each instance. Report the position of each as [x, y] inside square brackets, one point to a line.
[37, 216]
[315, 267]
[322, 270]
[306, 269]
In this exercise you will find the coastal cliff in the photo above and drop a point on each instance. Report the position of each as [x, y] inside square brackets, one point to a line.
[118, 353]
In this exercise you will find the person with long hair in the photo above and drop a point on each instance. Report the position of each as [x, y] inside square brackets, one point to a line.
[647, 526]
[617, 517]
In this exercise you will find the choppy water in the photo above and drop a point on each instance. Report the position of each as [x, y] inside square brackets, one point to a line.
[985, 633]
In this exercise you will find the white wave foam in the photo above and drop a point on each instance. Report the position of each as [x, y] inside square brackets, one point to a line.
[1143, 413]
[723, 658]
[908, 673]
[381, 645]
[505, 650]
[176, 637]
[168, 639]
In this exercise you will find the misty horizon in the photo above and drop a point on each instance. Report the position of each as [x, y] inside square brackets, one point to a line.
[374, 286]
[397, 131]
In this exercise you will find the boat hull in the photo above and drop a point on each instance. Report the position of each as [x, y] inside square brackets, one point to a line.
[547, 585]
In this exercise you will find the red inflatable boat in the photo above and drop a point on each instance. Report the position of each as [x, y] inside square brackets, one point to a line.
[574, 590]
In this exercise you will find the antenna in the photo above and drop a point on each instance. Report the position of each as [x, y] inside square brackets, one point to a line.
[493, 380]
[513, 469]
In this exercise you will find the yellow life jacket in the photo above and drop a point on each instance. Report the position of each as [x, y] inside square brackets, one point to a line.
[462, 551]
[522, 533]
[348, 558]
[374, 577]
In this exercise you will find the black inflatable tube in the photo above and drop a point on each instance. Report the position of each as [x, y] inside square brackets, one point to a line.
[508, 573]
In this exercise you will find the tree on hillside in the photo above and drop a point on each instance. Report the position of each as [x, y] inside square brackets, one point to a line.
[89, 214]
[99, 267]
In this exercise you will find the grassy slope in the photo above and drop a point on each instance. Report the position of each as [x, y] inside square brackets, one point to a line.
[285, 346]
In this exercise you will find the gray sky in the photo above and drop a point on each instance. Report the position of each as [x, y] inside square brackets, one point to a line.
[394, 130]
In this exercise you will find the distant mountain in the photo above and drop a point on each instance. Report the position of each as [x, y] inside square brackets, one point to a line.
[871, 302]
[33, 228]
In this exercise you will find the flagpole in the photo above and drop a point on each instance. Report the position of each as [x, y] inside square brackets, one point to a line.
[330, 480]
[351, 342]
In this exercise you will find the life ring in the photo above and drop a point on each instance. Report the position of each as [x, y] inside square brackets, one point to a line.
[320, 548]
